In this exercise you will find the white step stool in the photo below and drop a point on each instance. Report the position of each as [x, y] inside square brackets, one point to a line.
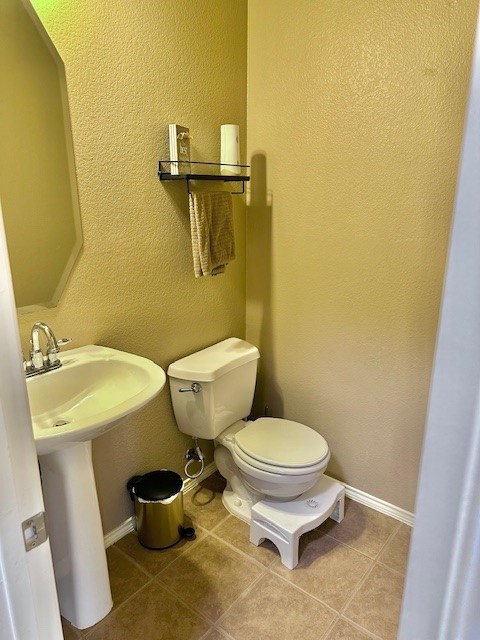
[284, 522]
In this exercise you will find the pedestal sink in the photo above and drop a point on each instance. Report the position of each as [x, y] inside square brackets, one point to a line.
[95, 388]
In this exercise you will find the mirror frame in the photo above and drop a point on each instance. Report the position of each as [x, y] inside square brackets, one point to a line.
[69, 148]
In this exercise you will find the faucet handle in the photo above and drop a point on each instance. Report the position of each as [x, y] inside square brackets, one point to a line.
[57, 344]
[63, 341]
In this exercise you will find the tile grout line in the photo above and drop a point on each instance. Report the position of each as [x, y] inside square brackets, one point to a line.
[278, 557]
[390, 536]
[387, 541]
[402, 574]
[361, 581]
[212, 532]
[340, 618]
[357, 588]
[339, 615]
[215, 536]
[158, 579]
[133, 561]
[189, 545]
[152, 578]
[365, 578]
[114, 609]
[224, 633]
[174, 594]
[374, 558]
[342, 612]
[241, 596]
[214, 628]
[242, 553]
[367, 632]
[183, 601]
[310, 595]
[330, 628]
[362, 553]
[221, 521]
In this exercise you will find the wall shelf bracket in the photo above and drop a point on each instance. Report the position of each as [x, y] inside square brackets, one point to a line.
[189, 171]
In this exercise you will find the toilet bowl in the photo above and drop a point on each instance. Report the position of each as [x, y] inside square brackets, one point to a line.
[275, 457]
[268, 460]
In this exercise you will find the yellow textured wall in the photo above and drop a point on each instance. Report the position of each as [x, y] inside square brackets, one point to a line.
[358, 107]
[133, 67]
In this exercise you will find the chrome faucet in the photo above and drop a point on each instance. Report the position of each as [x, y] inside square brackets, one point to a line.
[40, 363]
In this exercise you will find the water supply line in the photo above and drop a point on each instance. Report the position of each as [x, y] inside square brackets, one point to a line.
[194, 455]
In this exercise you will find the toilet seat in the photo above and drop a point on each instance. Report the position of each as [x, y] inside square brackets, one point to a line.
[279, 446]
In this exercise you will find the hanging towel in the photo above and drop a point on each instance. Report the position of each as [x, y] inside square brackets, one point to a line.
[211, 223]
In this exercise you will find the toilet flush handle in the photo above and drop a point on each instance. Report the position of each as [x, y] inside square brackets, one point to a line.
[196, 388]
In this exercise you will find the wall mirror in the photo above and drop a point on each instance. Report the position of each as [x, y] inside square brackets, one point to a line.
[38, 186]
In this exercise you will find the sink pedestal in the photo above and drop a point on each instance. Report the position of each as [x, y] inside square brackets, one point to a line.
[75, 530]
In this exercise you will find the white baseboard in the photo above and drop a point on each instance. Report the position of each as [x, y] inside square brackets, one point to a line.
[113, 536]
[379, 505]
[191, 483]
[130, 525]
[354, 494]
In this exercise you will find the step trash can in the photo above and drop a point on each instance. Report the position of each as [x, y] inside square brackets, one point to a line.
[158, 501]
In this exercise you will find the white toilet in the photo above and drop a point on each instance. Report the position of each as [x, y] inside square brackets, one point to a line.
[273, 467]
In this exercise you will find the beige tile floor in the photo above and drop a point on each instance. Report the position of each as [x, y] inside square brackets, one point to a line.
[348, 584]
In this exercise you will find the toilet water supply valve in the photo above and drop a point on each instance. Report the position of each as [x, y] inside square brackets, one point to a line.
[194, 455]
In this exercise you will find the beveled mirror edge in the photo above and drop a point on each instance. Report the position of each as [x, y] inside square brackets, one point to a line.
[76, 250]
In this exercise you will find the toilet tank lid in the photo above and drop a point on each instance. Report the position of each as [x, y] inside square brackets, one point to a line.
[211, 363]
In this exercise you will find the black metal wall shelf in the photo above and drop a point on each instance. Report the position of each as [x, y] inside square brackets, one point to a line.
[202, 171]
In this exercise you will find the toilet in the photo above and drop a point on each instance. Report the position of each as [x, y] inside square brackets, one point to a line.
[273, 467]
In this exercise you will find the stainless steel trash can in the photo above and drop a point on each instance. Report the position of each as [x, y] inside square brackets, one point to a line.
[159, 508]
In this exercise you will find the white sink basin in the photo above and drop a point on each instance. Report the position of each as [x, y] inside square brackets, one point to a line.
[94, 389]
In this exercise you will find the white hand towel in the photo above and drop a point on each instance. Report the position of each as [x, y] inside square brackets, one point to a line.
[211, 222]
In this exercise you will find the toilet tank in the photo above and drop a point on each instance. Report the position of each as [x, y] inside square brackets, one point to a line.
[226, 372]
